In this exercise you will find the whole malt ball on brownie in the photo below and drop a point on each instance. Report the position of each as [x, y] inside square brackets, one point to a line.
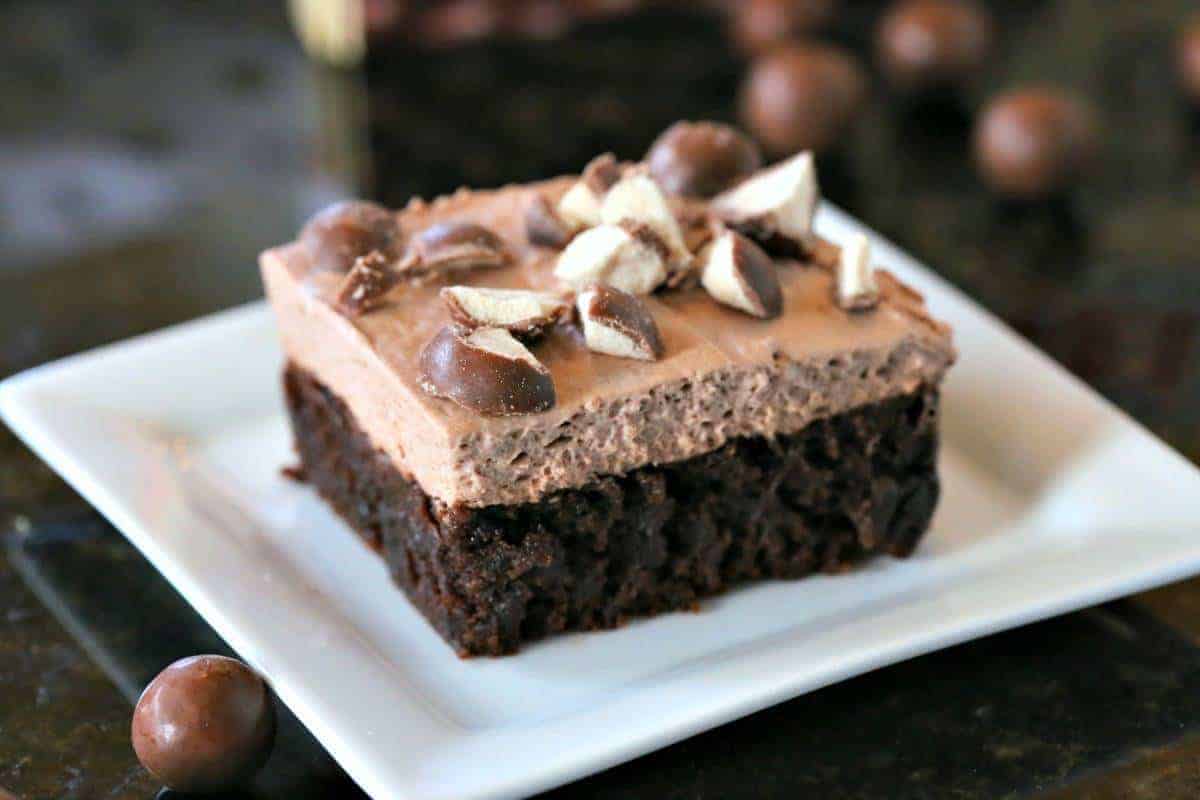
[701, 158]
[345, 232]
[651, 396]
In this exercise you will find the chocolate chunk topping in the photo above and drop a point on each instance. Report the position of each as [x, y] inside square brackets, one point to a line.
[519, 311]
[647, 235]
[545, 226]
[338, 235]
[739, 274]
[365, 285]
[778, 202]
[580, 206]
[700, 159]
[454, 245]
[612, 255]
[487, 371]
[856, 286]
[698, 226]
[205, 724]
[601, 173]
[617, 323]
[637, 198]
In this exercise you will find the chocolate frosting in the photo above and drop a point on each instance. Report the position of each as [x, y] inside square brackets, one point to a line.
[723, 373]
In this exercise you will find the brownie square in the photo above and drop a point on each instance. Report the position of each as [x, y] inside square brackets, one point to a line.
[555, 406]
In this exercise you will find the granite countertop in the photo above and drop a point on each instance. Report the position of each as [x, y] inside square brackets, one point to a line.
[150, 149]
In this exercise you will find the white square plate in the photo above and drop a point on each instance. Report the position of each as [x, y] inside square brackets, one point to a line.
[1053, 500]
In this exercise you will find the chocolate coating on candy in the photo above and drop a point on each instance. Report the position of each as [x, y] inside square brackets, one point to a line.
[544, 226]
[487, 371]
[454, 245]
[802, 97]
[737, 273]
[759, 25]
[1188, 60]
[521, 312]
[930, 44]
[365, 285]
[619, 324]
[206, 723]
[343, 232]
[615, 255]
[701, 159]
[1034, 142]
[775, 206]
[647, 235]
[601, 173]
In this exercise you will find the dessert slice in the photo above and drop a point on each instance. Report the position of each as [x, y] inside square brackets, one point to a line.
[676, 395]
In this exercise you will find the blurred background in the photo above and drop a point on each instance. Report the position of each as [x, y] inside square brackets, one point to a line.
[1043, 155]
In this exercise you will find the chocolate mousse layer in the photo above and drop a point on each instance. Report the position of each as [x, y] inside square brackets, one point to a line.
[723, 375]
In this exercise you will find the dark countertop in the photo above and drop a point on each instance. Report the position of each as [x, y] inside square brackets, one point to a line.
[151, 149]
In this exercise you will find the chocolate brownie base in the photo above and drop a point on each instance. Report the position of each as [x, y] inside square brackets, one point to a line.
[656, 539]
